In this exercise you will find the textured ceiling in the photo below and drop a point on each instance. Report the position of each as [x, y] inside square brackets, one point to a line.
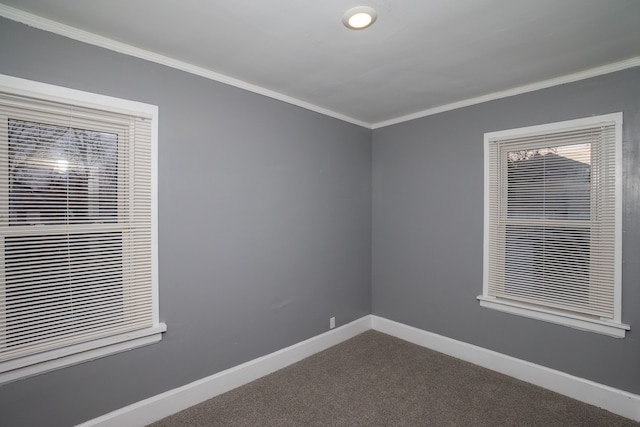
[420, 55]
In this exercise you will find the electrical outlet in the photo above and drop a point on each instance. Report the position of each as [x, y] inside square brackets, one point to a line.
[332, 323]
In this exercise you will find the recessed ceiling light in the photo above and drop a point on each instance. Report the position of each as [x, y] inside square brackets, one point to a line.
[358, 18]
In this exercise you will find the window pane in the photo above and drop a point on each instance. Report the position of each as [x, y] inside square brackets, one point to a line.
[61, 285]
[61, 175]
[548, 263]
[550, 183]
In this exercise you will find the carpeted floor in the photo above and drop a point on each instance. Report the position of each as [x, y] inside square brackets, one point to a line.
[377, 380]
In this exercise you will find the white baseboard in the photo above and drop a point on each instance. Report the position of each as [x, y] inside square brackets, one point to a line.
[172, 401]
[160, 406]
[613, 400]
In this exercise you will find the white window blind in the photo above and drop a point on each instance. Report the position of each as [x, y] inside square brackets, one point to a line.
[76, 230]
[552, 219]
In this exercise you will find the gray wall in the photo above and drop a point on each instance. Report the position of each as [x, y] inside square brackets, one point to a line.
[428, 229]
[264, 227]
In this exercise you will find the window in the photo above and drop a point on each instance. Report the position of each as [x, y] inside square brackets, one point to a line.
[553, 223]
[78, 269]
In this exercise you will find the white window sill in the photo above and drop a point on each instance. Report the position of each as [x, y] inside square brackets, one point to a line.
[43, 362]
[599, 326]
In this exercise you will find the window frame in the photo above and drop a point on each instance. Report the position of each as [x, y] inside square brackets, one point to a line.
[22, 367]
[612, 327]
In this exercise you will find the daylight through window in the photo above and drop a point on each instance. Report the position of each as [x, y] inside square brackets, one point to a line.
[77, 272]
[552, 223]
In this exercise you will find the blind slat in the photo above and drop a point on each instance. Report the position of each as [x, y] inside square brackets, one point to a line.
[552, 209]
[75, 225]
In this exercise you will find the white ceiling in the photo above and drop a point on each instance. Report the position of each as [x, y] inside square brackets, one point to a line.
[420, 56]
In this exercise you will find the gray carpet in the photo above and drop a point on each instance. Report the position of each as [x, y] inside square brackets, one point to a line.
[377, 380]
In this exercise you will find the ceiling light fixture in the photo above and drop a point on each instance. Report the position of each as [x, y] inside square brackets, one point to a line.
[358, 18]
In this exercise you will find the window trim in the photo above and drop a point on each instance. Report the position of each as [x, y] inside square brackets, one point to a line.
[614, 327]
[43, 362]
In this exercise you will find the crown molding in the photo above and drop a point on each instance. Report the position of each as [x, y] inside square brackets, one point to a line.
[569, 78]
[107, 43]
[116, 46]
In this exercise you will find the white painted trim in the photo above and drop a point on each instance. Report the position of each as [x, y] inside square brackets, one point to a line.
[613, 329]
[55, 359]
[563, 126]
[569, 78]
[107, 43]
[64, 95]
[22, 367]
[172, 401]
[614, 400]
[116, 46]
[167, 403]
